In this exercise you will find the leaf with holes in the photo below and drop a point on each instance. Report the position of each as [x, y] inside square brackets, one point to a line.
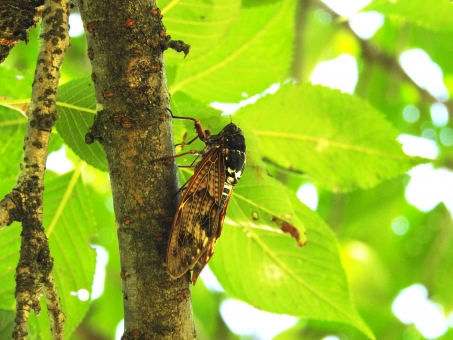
[266, 268]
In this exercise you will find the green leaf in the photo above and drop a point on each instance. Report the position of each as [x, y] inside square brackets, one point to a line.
[438, 264]
[76, 63]
[268, 270]
[205, 304]
[12, 127]
[13, 123]
[423, 251]
[263, 203]
[185, 106]
[55, 143]
[76, 107]
[9, 254]
[339, 140]
[257, 50]
[19, 82]
[201, 24]
[435, 15]
[69, 224]
[108, 306]
[7, 325]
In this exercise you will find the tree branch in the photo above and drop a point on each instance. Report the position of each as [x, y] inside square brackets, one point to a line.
[54, 310]
[9, 211]
[16, 19]
[299, 39]
[25, 203]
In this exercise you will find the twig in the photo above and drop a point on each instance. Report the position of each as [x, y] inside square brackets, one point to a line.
[8, 209]
[299, 39]
[54, 309]
[373, 53]
[25, 203]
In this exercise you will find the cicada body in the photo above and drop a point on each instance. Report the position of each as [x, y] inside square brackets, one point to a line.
[199, 218]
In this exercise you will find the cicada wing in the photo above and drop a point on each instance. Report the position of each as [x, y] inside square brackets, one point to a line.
[197, 219]
[207, 255]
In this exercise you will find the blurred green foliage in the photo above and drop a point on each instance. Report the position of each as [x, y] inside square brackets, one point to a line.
[345, 145]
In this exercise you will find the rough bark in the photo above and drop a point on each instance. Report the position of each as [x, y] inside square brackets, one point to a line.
[16, 19]
[126, 40]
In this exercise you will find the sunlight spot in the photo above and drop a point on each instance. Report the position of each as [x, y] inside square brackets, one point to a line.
[119, 330]
[271, 89]
[346, 7]
[244, 319]
[424, 72]
[102, 258]
[109, 203]
[340, 73]
[418, 146]
[407, 303]
[446, 136]
[58, 162]
[400, 225]
[450, 319]
[439, 114]
[358, 251]
[230, 108]
[411, 113]
[75, 25]
[308, 195]
[82, 294]
[426, 188]
[429, 133]
[412, 306]
[210, 281]
[366, 24]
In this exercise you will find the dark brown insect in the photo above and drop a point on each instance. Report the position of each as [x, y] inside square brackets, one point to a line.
[200, 214]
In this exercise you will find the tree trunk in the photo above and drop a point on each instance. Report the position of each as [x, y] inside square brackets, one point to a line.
[126, 40]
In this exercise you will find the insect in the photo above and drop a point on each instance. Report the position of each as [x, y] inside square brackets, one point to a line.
[199, 218]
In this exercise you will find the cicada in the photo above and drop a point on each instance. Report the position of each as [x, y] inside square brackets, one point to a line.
[199, 218]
